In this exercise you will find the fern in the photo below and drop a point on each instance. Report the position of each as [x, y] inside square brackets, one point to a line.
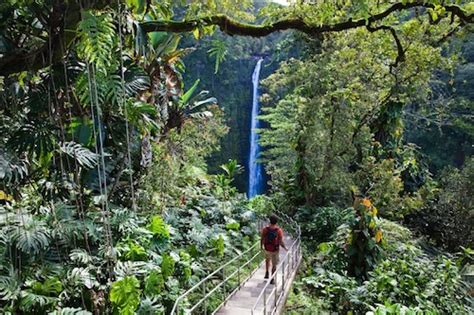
[167, 266]
[154, 283]
[82, 155]
[97, 39]
[84, 92]
[159, 228]
[218, 51]
[218, 245]
[135, 252]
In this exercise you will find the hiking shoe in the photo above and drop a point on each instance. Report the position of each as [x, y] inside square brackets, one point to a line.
[272, 281]
[266, 275]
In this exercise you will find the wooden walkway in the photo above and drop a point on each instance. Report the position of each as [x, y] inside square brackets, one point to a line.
[242, 302]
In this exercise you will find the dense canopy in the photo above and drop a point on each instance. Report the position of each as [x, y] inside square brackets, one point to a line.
[125, 125]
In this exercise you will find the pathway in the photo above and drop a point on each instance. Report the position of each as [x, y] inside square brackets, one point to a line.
[242, 302]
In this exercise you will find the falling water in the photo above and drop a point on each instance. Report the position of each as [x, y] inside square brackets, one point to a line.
[255, 169]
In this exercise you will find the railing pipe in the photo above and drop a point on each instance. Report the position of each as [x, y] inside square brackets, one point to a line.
[287, 265]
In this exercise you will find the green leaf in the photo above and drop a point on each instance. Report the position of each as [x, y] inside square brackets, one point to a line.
[167, 266]
[189, 93]
[196, 33]
[125, 295]
[158, 227]
[219, 51]
[154, 283]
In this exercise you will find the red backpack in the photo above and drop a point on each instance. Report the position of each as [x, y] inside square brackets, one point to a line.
[271, 241]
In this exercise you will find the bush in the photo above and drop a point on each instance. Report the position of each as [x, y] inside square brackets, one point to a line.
[417, 281]
[405, 279]
[449, 218]
[318, 224]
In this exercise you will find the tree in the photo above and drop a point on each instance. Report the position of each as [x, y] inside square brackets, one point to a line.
[314, 19]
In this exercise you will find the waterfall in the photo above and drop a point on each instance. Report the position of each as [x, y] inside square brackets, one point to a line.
[256, 184]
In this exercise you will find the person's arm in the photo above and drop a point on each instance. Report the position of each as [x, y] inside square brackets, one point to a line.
[282, 243]
[262, 237]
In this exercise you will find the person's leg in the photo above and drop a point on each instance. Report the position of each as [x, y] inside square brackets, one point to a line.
[275, 260]
[267, 263]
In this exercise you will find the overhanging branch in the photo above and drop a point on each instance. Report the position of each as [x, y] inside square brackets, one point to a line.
[400, 51]
[234, 27]
[36, 59]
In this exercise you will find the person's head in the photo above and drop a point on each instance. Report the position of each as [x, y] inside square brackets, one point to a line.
[273, 219]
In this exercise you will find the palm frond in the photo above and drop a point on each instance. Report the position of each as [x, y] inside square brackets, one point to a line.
[97, 39]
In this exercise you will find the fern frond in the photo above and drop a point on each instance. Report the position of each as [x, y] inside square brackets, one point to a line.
[218, 51]
[97, 39]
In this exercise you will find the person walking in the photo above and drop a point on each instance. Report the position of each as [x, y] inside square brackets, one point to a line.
[271, 240]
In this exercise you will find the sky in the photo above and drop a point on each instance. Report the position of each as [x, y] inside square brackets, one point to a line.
[284, 2]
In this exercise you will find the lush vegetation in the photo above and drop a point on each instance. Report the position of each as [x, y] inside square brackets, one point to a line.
[106, 202]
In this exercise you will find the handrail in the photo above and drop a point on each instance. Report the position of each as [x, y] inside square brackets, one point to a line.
[291, 260]
[198, 285]
[295, 231]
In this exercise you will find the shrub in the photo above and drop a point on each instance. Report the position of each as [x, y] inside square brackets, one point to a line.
[125, 295]
[318, 224]
[448, 219]
[363, 244]
[405, 281]
[432, 285]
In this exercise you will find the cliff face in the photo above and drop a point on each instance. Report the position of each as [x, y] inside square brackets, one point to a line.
[232, 86]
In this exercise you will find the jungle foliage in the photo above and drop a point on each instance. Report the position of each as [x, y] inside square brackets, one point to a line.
[106, 204]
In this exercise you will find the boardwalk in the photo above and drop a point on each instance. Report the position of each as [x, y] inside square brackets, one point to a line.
[242, 302]
[254, 295]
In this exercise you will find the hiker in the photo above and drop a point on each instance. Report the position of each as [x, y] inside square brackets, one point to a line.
[271, 240]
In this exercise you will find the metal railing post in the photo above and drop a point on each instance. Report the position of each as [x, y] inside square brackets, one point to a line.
[204, 294]
[264, 301]
[275, 280]
[223, 285]
[238, 275]
[283, 276]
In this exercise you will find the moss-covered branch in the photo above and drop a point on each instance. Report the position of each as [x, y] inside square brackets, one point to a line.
[52, 51]
[233, 27]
